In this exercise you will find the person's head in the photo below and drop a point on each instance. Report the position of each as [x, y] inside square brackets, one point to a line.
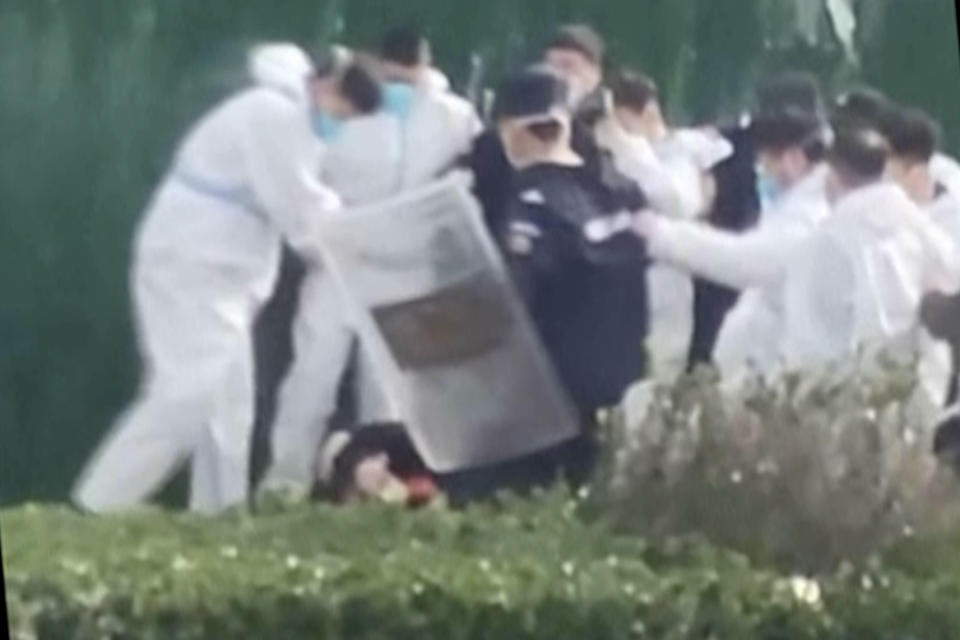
[789, 142]
[796, 90]
[636, 104]
[405, 54]
[375, 461]
[343, 85]
[913, 138]
[576, 53]
[532, 118]
[857, 158]
[862, 107]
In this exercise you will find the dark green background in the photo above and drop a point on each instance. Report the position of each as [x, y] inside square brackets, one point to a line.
[94, 93]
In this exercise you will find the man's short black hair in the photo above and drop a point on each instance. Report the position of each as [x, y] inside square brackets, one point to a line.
[789, 90]
[787, 128]
[911, 134]
[581, 38]
[405, 45]
[633, 90]
[354, 74]
[361, 87]
[859, 154]
[862, 107]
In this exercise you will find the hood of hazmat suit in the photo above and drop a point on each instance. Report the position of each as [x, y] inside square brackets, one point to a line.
[282, 66]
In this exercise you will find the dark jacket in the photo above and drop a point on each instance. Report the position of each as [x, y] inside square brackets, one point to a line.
[494, 177]
[587, 298]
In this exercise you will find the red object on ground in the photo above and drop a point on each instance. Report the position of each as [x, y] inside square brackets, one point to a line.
[422, 489]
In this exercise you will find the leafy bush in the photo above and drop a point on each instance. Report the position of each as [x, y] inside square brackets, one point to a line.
[530, 570]
[800, 470]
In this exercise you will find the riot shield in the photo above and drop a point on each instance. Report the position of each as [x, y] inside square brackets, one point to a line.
[449, 336]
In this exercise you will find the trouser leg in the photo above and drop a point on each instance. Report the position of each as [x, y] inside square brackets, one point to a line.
[322, 342]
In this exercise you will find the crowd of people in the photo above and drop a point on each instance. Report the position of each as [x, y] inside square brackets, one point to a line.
[790, 238]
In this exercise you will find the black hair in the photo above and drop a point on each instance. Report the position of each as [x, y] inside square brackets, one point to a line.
[787, 128]
[355, 76]
[361, 87]
[404, 45]
[633, 90]
[581, 38]
[911, 133]
[796, 90]
[370, 440]
[862, 107]
[858, 155]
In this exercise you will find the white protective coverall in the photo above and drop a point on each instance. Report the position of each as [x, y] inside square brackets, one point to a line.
[374, 157]
[946, 170]
[859, 279]
[672, 174]
[944, 210]
[753, 262]
[205, 259]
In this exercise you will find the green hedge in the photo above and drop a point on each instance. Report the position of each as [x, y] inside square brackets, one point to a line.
[523, 570]
[96, 93]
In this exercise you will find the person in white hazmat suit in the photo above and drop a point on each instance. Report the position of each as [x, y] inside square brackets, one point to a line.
[205, 259]
[791, 144]
[420, 133]
[913, 137]
[859, 278]
[872, 108]
[672, 166]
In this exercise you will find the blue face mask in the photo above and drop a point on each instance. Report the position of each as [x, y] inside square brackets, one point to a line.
[327, 127]
[398, 98]
[768, 188]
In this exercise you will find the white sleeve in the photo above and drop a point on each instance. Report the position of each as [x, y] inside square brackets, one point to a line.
[738, 260]
[283, 166]
[819, 306]
[635, 158]
[465, 122]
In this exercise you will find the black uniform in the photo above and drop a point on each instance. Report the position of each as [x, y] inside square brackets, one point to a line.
[587, 298]
[736, 208]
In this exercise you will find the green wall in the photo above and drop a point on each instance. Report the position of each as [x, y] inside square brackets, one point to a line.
[94, 93]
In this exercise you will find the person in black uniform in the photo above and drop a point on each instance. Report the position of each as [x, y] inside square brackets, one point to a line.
[582, 274]
[576, 53]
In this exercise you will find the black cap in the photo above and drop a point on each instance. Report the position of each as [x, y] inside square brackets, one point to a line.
[581, 38]
[796, 90]
[532, 92]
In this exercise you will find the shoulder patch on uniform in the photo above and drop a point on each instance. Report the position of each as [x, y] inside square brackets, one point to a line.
[532, 196]
[520, 237]
[519, 244]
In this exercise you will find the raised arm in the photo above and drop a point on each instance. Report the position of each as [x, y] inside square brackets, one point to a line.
[283, 166]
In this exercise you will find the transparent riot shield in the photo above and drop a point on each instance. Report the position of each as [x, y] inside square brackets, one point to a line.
[450, 339]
